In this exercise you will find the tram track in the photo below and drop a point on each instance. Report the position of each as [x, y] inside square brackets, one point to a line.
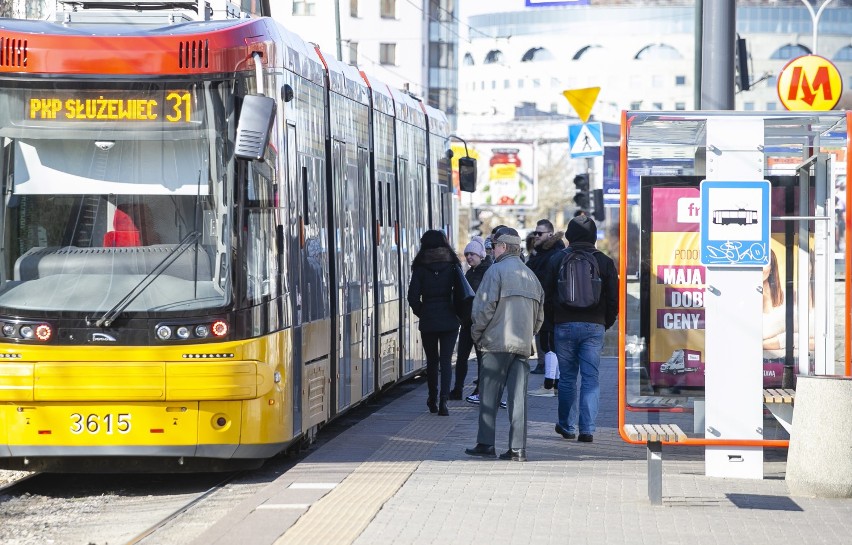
[179, 511]
[166, 509]
[106, 509]
[9, 487]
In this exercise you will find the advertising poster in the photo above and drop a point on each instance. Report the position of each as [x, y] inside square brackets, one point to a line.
[676, 321]
[676, 346]
[506, 176]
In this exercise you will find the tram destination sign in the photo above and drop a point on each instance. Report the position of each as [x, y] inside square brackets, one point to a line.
[167, 107]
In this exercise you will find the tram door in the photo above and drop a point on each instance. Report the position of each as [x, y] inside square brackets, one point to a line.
[294, 245]
[368, 275]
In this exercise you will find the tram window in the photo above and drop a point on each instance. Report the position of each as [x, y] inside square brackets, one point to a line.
[381, 211]
[259, 255]
[307, 214]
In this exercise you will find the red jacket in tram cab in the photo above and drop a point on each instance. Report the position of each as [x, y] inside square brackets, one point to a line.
[125, 234]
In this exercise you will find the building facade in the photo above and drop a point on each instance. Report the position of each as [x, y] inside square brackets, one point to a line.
[521, 56]
[408, 44]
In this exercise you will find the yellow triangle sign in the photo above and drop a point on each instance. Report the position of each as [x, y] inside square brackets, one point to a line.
[583, 100]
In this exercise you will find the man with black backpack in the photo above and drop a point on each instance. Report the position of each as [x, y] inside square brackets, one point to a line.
[581, 299]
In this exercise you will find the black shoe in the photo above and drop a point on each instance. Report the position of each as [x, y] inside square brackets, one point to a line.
[515, 454]
[433, 407]
[442, 408]
[455, 395]
[484, 451]
[585, 438]
[539, 370]
[565, 433]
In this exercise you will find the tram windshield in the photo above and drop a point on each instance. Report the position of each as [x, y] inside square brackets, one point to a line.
[101, 184]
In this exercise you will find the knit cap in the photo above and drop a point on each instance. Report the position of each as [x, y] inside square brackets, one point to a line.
[475, 246]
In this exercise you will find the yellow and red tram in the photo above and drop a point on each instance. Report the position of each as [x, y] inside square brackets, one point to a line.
[167, 300]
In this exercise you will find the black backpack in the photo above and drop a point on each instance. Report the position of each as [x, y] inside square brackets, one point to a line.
[579, 282]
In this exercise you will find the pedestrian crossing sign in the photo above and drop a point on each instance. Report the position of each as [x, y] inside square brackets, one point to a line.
[585, 140]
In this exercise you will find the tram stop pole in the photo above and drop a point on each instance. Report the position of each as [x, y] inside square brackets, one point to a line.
[733, 316]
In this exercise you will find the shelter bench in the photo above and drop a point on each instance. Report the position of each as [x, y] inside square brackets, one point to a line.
[780, 403]
[654, 435]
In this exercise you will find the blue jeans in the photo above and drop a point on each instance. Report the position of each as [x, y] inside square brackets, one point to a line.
[578, 349]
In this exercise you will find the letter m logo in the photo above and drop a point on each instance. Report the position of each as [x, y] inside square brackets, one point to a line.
[810, 82]
[799, 82]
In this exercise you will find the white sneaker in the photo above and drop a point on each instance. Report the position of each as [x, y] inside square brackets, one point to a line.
[473, 398]
[503, 404]
[543, 392]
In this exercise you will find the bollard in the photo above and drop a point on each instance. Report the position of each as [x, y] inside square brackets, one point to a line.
[819, 462]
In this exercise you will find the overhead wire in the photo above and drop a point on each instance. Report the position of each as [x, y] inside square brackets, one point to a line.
[454, 18]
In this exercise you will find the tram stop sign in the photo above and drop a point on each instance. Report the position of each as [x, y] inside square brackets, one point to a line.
[734, 223]
[809, 83]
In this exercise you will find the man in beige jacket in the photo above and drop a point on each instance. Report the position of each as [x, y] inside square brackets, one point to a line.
[507, 312]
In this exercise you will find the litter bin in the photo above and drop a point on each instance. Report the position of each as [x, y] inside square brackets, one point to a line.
[819, 461]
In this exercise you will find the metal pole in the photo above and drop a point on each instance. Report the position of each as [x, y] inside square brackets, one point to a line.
[699, 36]
[337, 30]
[815, 18]
[717, 74]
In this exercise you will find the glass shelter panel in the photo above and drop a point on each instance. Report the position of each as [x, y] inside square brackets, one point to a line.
[663, 321]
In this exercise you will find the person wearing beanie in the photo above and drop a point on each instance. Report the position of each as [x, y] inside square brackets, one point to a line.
[548, 242]
[507, 313]
[474, 254]
[476, 246]
[430, 296]
[578, 333]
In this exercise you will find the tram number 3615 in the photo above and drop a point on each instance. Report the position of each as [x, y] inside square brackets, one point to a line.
[95, 423]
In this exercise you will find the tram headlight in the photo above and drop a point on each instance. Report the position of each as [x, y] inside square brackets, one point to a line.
[8, 330]
[176, 332]
[43, 332]
[220, 328]
[27, 332]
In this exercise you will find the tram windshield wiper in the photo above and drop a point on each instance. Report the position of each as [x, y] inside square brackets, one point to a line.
[110, 315]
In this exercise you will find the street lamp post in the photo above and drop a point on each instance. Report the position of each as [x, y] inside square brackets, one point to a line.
[815, 18]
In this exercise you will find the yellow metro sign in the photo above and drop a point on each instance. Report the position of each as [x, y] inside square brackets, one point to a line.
[810, 82]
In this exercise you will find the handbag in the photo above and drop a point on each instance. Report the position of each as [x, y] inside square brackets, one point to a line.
[463, 296]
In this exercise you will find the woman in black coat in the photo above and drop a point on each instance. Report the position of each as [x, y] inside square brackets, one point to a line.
[430, 296]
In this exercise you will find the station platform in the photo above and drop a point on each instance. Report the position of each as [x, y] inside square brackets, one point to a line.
[401, 477]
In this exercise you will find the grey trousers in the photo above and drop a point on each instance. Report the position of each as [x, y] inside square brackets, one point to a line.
[501, 369]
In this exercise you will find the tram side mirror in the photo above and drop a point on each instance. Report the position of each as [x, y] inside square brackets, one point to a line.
[256, 117]
[467, 174]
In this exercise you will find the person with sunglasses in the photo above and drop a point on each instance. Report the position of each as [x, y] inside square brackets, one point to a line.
[547, 244]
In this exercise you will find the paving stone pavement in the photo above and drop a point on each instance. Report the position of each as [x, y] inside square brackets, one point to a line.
[401, 477]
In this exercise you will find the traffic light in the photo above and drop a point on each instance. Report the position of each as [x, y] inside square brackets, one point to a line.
[599, 212]
[467, 174]
[581, 197]
[475, 223]
[741, 69]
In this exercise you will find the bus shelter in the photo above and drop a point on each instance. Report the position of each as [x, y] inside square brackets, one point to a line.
[738, 235]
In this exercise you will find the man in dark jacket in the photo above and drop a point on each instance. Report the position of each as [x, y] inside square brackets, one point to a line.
[578, 334]
[547, 243]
